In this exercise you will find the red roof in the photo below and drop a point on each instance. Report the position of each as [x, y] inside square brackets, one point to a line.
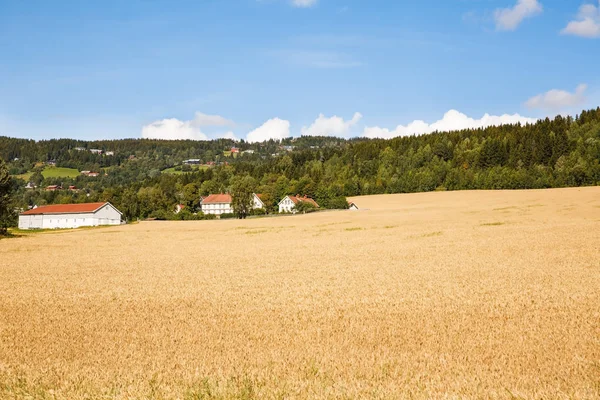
[297, 199]
[65, 209]
[217, 199]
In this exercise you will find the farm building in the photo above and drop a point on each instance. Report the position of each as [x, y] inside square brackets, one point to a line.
[352, 206]
[217, 204]
[70, 216]
[288, 203]
[221, 204]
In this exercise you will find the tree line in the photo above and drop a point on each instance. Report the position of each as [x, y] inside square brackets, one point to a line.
[559, 152]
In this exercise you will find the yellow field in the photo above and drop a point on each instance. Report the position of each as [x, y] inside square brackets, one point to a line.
[439, 295]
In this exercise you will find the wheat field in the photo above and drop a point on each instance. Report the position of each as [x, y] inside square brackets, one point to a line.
[453, 295]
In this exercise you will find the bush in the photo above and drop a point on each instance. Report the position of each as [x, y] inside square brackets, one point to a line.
[258, 211]
[228, 216]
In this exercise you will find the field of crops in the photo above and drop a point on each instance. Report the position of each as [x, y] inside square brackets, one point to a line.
[439, 295]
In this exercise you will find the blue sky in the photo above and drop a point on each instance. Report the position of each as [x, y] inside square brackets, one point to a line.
[273, 68]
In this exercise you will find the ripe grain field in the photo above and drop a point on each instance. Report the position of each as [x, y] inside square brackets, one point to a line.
[438, 295]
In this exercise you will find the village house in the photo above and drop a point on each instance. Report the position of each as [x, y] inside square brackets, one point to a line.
[235, 150]
[96, 151]
[109, 153]
[179, 208]
[53, 188]
[30, 185]
[63, 216]
[218, 204]
[192, 161]
[288, 203]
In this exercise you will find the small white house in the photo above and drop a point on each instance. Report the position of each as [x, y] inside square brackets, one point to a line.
[288, 203]
[258, 203]
[352, 206]
[70, 216]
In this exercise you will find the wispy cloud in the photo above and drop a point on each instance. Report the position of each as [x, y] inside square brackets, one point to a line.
[557, 100]
[586, 24]
[508, 19]
[303, 3]
[319, 59]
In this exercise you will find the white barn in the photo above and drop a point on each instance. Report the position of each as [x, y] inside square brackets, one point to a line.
[65, 216]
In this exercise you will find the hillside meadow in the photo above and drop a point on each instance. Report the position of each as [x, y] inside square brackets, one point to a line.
[443, 295]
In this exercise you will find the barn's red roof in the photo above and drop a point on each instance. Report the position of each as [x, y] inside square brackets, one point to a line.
[217, 199]
[65, 209]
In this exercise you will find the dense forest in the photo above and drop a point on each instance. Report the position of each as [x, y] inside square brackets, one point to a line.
[145, 178]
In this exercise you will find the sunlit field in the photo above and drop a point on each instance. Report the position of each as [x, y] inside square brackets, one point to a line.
[439, 295]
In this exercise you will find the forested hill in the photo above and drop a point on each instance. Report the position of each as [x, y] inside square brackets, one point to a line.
[145, 177]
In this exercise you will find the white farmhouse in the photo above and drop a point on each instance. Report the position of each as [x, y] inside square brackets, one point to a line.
[221, 204]
[70, 216]
[217, 204]
[288, 203]
[257, 201]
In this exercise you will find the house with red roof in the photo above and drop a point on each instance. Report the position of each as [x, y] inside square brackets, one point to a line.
[64, 216]
[288, 203]
[218, 204]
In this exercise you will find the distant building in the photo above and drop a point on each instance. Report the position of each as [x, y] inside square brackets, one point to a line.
[248, 151]
[73, 189]
[352, 206]
[53, 188]
[235, 150]
[30, 185]
[70, 216]
[217, 204]
[191, 161]
[288, 203]
[221, 203]
[79, 148]
[51, 163]
[257, 201]
[95, 151]
[179, 208]
[109, 153]
[90, 174]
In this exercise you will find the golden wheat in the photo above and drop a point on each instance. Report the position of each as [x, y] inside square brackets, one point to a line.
[439, 295]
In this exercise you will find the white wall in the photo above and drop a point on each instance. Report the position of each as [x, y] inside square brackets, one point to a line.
[30, 221]
[286, 205]
[217, 209]
[107, 215]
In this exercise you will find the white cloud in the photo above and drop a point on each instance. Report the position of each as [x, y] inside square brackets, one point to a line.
[508, 19]
[556, 100]
[201, 119]
[334, 126]
[172, 129]
[175, 129]
[274, 128]
[227, 135]
[304, 3]
[452, 121]
[587, 23]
